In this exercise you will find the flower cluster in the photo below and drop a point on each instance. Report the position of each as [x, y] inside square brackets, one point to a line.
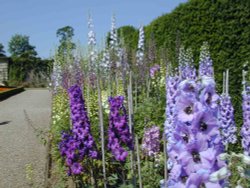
[78, 142]
[153, 70]
[196, 136]
[227, 123]
[186, 67]
[245, 130]
[140, 47]
[113, 35]
[92, 53]
[91, 33]
[56, 76]
[172, 82]
[151, 141]
[205, 68]
[118, 131]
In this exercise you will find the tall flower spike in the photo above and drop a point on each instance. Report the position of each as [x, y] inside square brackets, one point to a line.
[78, 72]
[196, 141]
[140, 47]
[78, 142]
[205, 63]
[91, 34]
[92, 52]
[151, 141]
[118, 131]
[245, 130]
[186, 67]
[113, 34]
[56, 76]
[227, 123]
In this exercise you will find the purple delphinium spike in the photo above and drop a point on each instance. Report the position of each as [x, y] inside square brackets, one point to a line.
[227, 123]
[196, 141]
[78, 142]
[245, 130]
[228, 126]
[205, 63]
[151, 141]
[78, 72]
[118, 131]
[171, 91]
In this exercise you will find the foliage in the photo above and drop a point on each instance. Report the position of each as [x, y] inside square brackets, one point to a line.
[66, 45]
[19, 46]
[25, 67]
[2, 52]
[60, 122]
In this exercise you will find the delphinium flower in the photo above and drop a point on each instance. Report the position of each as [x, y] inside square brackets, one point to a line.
[206, 63]
[66, 76]
[151, 141]
[227, 123]
[245, 130]
[196, 136]
[118, 132]
[78, 72]
[153, 70]
[140, 47]
[172, 81]
[92, 66]
[186, 67]
[78, 142]
[113, 35]
[56, 76]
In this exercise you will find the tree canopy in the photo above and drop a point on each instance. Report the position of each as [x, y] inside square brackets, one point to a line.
[2, 52]
[19, 46]
[65, 35]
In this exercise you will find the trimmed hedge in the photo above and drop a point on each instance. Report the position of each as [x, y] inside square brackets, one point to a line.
[11, 92]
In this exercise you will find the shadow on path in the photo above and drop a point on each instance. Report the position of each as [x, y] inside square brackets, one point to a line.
[5, 122]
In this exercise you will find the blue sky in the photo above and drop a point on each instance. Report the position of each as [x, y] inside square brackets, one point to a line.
[40, 19]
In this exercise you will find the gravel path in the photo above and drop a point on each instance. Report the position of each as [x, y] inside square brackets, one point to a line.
[22, 154]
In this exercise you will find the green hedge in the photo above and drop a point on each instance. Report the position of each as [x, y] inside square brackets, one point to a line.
[11, 92]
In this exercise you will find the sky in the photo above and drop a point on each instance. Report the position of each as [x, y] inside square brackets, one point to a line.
[40, 19]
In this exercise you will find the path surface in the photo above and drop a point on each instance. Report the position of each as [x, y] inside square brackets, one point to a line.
[22, 156]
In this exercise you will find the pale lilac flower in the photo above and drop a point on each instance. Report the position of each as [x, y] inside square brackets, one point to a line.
[196, 142]
[153, 70]
[151, 141]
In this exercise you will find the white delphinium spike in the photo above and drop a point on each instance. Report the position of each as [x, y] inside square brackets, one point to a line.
[91, 45]
[205, 63]
[56, 75]
[204, 51]
[186, 68]
[140, 47]
[91, 33]
[113, 34]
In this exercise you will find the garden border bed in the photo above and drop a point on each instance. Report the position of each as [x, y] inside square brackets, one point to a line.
[11, 92]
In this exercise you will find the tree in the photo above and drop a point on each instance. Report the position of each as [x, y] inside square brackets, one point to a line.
[19, 46]
[66, 45]
[2, 52]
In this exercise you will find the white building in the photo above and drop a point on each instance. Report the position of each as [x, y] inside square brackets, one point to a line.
[4, 63]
